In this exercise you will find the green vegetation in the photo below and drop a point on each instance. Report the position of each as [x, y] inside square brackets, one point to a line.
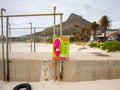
[94, 27]
[82, 35]
[109, 46]
[80, 43]
[93, 45]
[105, 23]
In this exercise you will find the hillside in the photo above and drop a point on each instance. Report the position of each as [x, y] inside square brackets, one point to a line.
[72, 24]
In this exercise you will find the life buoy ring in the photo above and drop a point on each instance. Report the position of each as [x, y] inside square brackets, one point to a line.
[23, 85]
[57, 47]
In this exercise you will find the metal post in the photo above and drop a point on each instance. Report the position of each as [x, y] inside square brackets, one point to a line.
[54, 35]
[61, 16]
[30, 15]
[31, 34]
[7, 54]
[61, 62]
[54, 21]
[9, 36]
[34, 41]
[57, 31]
[2, 34]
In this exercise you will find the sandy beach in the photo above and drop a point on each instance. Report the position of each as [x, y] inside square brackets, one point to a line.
[22, 50]
[40, 47]
[56, 85]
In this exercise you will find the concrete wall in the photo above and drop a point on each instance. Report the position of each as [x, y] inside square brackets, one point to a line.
[91, 70]
[47, 70]
[31, 70]
[35, 70]
[27, 70]
[1, 70]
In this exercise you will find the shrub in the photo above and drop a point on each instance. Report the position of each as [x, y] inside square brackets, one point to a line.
[112, 46]
[109, 46]
[93, 45]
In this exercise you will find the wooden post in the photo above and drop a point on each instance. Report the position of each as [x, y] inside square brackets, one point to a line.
[61, 62]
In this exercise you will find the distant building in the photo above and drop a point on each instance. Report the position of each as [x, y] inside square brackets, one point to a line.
[100, 38]
[114, 36]
[111, 35]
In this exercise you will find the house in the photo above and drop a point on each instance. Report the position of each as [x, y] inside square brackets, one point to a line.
[114, 36]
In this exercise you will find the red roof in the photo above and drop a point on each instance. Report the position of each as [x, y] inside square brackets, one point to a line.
[112, 34]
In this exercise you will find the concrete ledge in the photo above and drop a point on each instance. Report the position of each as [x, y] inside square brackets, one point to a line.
[91, 70]
[73, 71]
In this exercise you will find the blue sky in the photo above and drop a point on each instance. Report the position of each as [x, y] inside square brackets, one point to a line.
[92, 10]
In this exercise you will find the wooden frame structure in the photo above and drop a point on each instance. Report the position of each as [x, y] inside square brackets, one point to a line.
[6, 67]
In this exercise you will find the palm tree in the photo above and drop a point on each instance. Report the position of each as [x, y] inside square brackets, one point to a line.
[105, 22]
[82, 34]
[76, 36]
[87, 32]
[94, 27]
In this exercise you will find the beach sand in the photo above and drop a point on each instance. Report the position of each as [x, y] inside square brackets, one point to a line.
[56, 85]
[22, 50]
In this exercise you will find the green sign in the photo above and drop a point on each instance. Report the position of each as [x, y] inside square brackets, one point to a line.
[61, 48]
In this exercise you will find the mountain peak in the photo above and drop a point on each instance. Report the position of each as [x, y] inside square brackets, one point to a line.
[73, 15]
[74, 23]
